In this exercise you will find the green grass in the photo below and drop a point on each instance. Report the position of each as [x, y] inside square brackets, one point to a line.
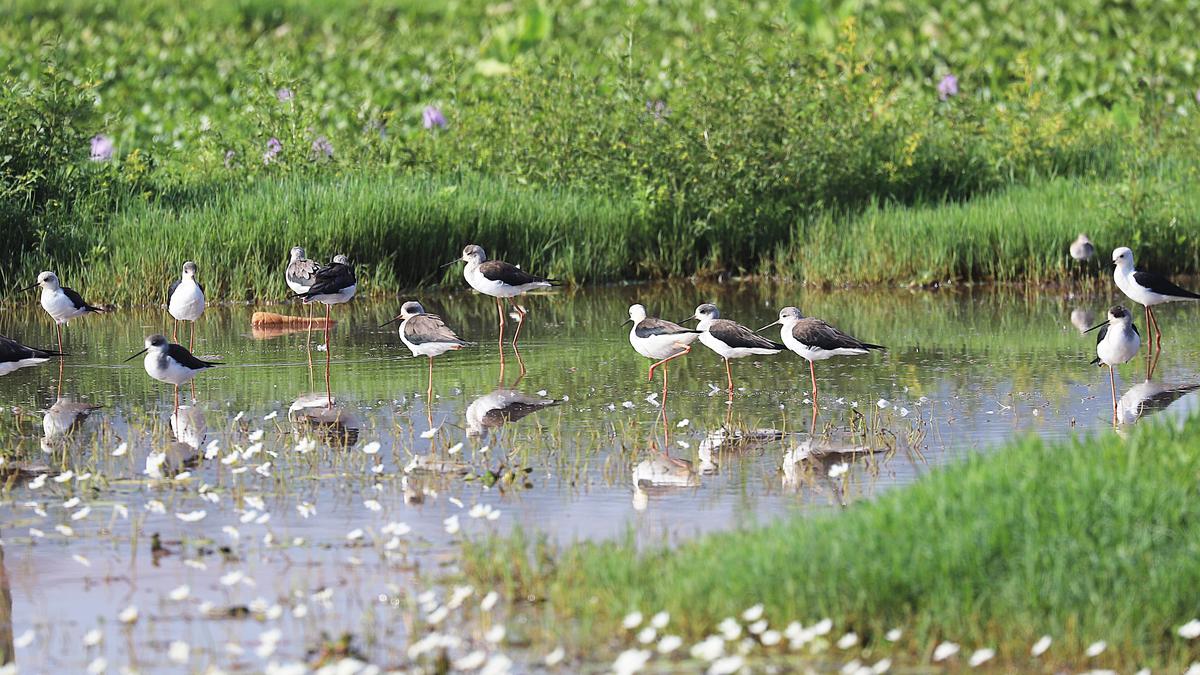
[398, 230]
[1020, 234]
[1093, 539]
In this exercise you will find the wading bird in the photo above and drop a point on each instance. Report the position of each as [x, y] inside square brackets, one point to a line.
[185, 301]
[171, 363]
[500, 280]
[425, 335]
[816, 340]
[1118, 342]
[60, 302]
[729, 339]
[660, 340]
[14, 355]
[332, 284]
[1082, 249]
[1147, 289]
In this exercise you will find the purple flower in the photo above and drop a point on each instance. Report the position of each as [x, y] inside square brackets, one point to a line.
[229, 155]
[285, 94]
[947, 87]
[274, 147]
[433, 117]
[657, 109]
[322, 148]
[102, 148]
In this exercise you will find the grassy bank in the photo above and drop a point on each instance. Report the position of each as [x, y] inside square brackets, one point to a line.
[1084, 541]
[401, 229]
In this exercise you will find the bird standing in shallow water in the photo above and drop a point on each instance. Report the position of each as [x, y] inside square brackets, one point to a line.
[1118, 342]
[816, 340]
[171, 363]
[1082, 249]
[14, 355]
[500, 280]
[60, 302]
[185, 301]
[332, 284]
[1147, 289]
[729, 339]
[425, 335]
[658, 339]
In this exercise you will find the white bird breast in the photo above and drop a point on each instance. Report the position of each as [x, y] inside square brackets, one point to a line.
[165, 369]
[725, 351]
[187, 302]
[1118, 347]
[59, 306]
[659, 347]
[814, 353]
[497, 289]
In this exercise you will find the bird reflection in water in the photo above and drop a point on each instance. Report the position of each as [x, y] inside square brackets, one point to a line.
[1149, 398]
[326, 419]
[661, 473]
[189, 429]
[63, 420]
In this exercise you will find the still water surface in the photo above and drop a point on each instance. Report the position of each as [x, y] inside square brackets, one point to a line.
[254, 522]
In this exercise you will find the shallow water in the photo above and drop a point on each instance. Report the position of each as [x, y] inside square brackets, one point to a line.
[283, 530]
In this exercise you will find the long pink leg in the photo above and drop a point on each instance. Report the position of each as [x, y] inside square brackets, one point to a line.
[520, 322]
[328, 362]
[1112, 379]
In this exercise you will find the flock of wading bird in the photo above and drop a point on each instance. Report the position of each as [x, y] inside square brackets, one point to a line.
[428, 335]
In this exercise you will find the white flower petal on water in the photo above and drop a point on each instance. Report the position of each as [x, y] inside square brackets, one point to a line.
[881, 666]
[372, 447]
[180, 593]
[256, 435]
[630, 661]
[848, 640]
[1040, 646]
[179, 652]
[647, 635]
[627, 404]
[981, 656]
[495, 634]
[753, 614]
[232, 578]
[555, 657]
[632, 620]
[669, 643]
[431, 432]
[709, 649]
[726, 665]
[1190, 630]
[64, 476]
[93, 637]
[81, 513]
[128, 615]
[471, 661]
[355, 534]
[82, 560]
[838, 469]
[757, 627]
[192, 516]
[65, 530]
[373, 505]
[489, 601]
[97, 666]
[770, 638]
[729, 629]
[452, 525]
[893, 635]
[944, 651]
[121, 450]
[499, 664]
[1096, 649]
[37, 482]
[822, 627]
[24, 639]
[660, 620]
[682, 423]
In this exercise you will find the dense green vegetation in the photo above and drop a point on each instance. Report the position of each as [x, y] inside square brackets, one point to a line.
[1084, 540]
[705, 136]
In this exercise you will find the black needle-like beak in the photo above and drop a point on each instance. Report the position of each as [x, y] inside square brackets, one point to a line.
[626, 322]
[136, 355]
[29, 288]
[448, 264]
[389, 322]
[1095, 327]
[768, 326]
